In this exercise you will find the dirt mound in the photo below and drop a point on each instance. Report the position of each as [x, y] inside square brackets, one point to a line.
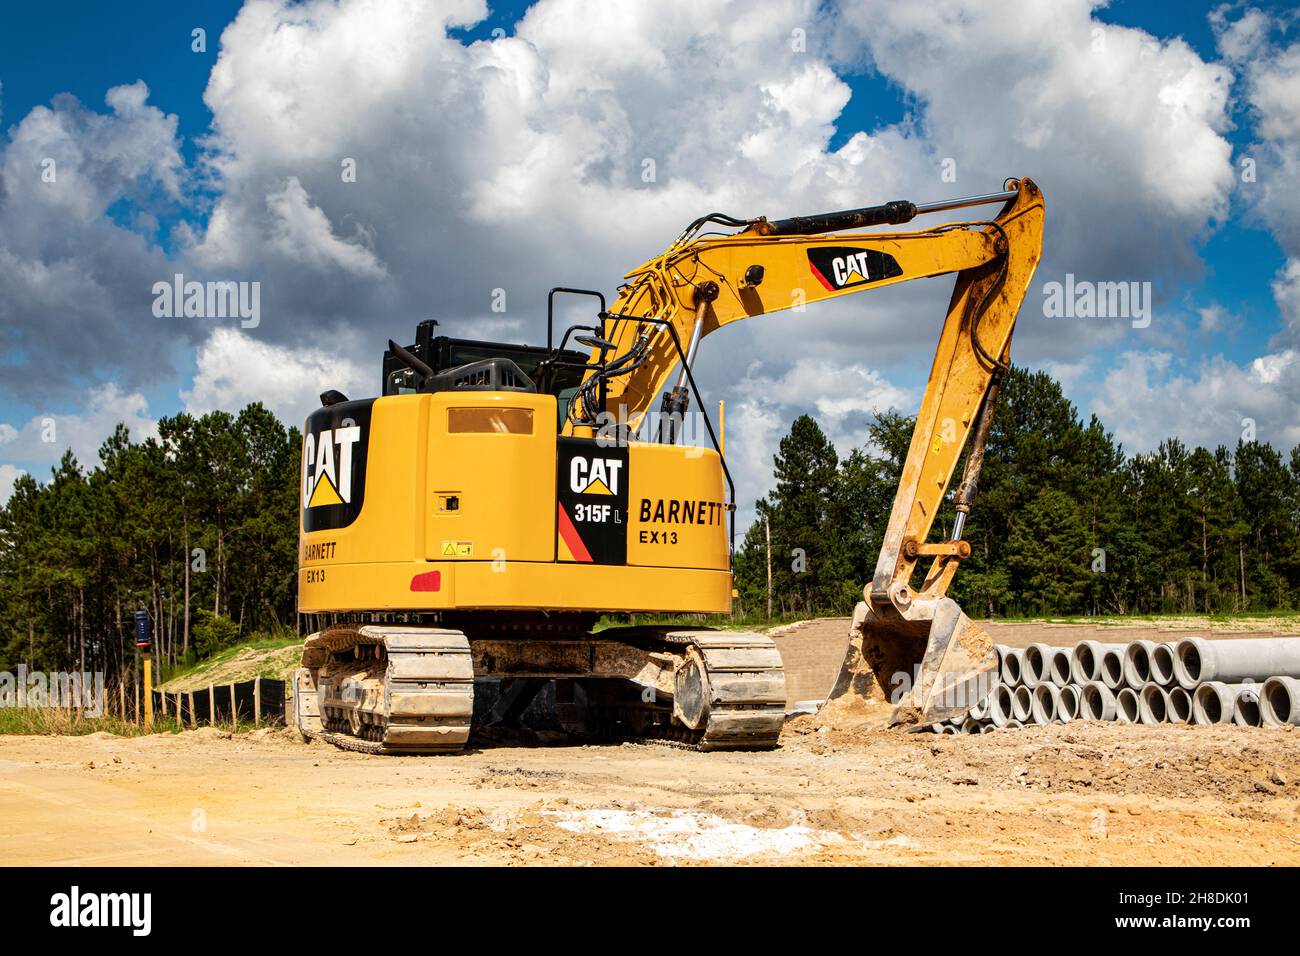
[244, 664]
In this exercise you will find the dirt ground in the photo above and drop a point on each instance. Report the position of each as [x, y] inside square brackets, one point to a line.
[1068, 794]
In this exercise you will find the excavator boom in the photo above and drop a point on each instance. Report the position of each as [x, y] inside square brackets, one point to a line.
[910, 645]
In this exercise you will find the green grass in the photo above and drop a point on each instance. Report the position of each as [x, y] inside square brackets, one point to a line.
[725, 622]
[1119, 620]
[1285, 619]
[55, 722]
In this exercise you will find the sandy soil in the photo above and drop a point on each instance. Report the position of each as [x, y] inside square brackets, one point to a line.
[1085, 794]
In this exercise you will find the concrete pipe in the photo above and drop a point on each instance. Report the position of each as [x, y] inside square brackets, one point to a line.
[1280, 701]
[1213, 701]
[1000, 705]
[1085, 660]
[1162, 663]
[1014, 725]
[949, 729]
[1246, 711]
[1067, 705]
[1047, 698]
[1096, 701]
[1112, 668]
[1137, 664]
[970, 726]
[1180, 706]
[1022, 703]
[1010, 663]
[1153, 704]
[1060, 666]
[1256, 659]
[1037, 665]
[1128, 706]
[988, 728]
[981, 708]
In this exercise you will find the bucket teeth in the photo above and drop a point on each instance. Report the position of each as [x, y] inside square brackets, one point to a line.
[922, 665]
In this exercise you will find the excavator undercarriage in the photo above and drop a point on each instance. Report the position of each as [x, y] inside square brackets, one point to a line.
[395, 689]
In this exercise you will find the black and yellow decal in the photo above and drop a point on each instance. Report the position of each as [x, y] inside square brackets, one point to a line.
[334, 464]
[845, 267]
[591, 511]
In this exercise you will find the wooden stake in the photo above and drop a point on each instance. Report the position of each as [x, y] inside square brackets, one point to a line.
[767, 531]
[148, 693]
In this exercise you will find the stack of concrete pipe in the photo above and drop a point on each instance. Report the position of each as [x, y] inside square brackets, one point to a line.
[1250, 682]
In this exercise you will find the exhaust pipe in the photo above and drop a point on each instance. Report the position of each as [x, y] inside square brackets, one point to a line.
[1096, 701]
[1162, 663]
[1153, 704]
[1180, 705]
[1137, 663]
[1010, 663]
[1067, 704]
[1112, 668]
[1038, 665]
[1128, 707]
[1197, 660]
[1280, 701]
[1022, 704]
[1213, 701]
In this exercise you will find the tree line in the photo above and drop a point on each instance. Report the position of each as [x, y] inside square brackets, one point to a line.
[1065, 522]
[199, 526]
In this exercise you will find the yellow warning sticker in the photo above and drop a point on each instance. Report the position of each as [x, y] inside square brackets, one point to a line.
[458, 549]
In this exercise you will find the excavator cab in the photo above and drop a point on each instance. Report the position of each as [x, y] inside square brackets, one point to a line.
[435, 363]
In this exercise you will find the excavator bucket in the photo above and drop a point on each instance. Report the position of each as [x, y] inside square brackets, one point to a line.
[918, 666]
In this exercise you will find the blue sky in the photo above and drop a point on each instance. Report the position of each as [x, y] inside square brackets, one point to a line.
[1228, 263]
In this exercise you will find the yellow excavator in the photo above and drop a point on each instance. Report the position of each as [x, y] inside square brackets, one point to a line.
[478, 518]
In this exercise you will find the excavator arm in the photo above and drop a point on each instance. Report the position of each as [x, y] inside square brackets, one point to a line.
[910, 645]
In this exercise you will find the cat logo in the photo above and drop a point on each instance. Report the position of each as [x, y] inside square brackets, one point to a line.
[599, 476]
[844, 267]
[327, 466]
[334, 465]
